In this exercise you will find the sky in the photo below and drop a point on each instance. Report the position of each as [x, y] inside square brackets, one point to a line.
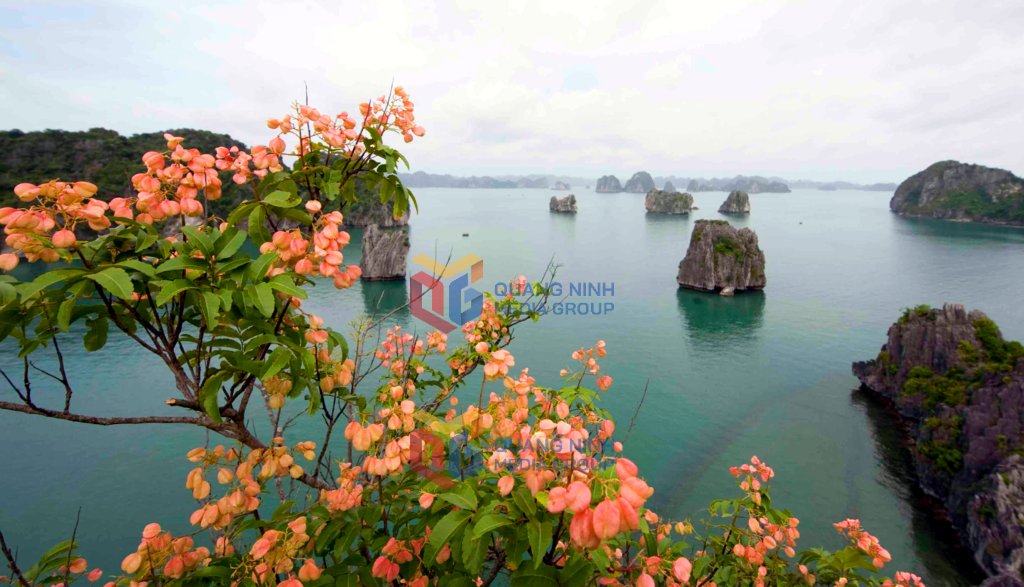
[865, 91]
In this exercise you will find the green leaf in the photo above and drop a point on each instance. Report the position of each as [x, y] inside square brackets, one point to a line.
[182, 262]
[209, 305]
[114, 280]
[517, 549]
[211, 571]
[542, 576]
[348, 191]
[462, 495]
[96, 337]
[8, 293]
[282, 199]
[601, 560]
[577, 574]
[387, 190]
[489, 523]
[210, 391]
[169, 290]
[343, 544]
[241, 212]
[67, 307]
[540, 538]
[277, 360]
[143, 244]
[315, 399]
[258, 232]
[285, 284]
[47, 279]
[328, 534]
[259, 267]
[263, 297]
[228, 243]
[525, 501]
[335, 339]
[474, 551]
[199, 239]
[443, 532]
[136, 265]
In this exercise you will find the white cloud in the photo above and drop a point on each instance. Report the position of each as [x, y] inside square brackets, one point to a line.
[872, 91]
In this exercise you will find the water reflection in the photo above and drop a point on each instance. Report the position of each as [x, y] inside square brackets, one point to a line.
[942, 230]
[563, 224]
[716, 319]
[934, 539]
[383, 297]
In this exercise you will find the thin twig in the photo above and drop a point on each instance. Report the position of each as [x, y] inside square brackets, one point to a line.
[71, 549]
[12, 563]
[637, 412]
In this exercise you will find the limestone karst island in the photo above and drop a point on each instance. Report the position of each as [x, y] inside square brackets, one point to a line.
[534, 294]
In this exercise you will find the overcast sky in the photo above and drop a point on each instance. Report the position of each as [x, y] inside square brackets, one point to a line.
[872, 90]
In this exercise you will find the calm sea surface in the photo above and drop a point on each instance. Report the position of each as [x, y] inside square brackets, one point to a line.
[764, 374]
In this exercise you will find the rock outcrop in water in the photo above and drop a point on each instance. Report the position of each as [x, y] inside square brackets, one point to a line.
[562, 186]
[723, 259]
[737, 203]
[959, 389]
[608, 184]
[640, 183]
[664, 202]
[957, 191]
[566, 205]
[384, 254]
[669, 188]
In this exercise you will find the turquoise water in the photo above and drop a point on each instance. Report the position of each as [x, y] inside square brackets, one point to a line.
[765, 373]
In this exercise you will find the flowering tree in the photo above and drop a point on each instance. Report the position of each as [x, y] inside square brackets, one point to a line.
[540, 496]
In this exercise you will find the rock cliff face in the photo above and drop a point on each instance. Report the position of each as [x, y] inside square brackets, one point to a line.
[669, 188]
[723, 259]
[959, 389]
[958, 191]
[384, 254]
[640, 183]
[562, 186]
[608, 184]
[664, 202]
[566, 204]
[737, 203]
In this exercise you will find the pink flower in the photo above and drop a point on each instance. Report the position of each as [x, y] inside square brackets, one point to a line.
[505, 485]
[606, 520]
[681, 569]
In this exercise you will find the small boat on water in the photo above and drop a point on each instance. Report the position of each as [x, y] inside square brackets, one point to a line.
[465, 234]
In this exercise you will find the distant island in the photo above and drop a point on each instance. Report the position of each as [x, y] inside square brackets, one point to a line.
[752, 185]
[962, 192]
[610, 184]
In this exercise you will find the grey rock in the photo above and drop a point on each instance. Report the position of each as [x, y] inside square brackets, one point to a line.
[669, 188]
[663, 202]
[957, 191]
[562, 186]
[608, 184]
[728, 291]
[640, 183]
[737, 203]
[963, 453]
[720, 256]
[384, 254]
[566, 205]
